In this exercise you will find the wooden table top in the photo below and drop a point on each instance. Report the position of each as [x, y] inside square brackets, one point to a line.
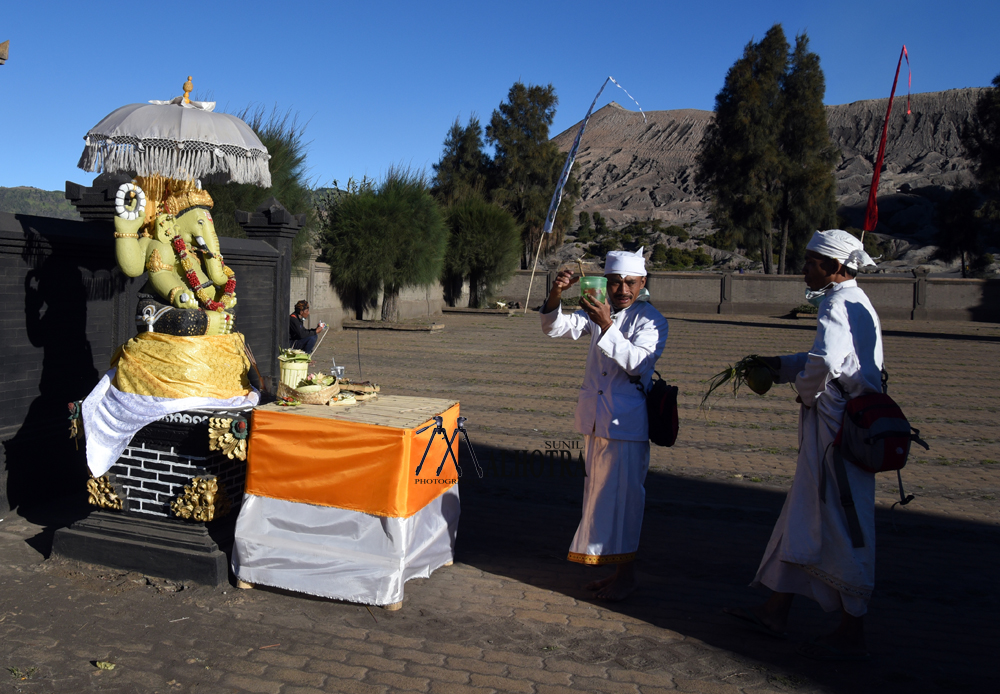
[398, 411]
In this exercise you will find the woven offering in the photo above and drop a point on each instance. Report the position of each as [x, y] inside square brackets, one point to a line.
[319, 397]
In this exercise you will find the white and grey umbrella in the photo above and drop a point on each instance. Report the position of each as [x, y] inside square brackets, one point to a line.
[179, 139]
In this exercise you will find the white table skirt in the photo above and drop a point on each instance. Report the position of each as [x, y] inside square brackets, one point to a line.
[341, 554]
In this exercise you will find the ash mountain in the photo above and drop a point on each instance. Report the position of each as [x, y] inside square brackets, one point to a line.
[630, 170]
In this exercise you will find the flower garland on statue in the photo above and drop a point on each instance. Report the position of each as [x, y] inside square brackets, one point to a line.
[228, 292]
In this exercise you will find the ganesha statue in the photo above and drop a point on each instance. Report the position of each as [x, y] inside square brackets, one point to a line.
[164, 227]
[186, 345]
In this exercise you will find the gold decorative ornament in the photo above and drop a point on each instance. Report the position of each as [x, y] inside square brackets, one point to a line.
[101, 493]
[188, 87]
[76, 422]
[229, 436]
[202, 500]
[155, 263]
[120, 235]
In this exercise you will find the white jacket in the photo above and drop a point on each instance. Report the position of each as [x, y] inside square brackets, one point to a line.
[848, 348]
[609, 405]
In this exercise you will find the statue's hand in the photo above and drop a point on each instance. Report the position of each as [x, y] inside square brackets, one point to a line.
[130, 209]
[185, 298]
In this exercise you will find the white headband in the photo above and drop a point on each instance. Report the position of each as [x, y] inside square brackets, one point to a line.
[624, 263]
[842, 246]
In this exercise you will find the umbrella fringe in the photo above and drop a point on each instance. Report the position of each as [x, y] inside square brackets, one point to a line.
[174, 162]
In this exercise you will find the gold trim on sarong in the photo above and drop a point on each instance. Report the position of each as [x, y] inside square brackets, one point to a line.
[601, 559]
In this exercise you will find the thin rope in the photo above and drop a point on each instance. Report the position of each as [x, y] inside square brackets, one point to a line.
[361, 376]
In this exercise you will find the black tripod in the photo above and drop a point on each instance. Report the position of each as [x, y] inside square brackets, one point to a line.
[439, 429]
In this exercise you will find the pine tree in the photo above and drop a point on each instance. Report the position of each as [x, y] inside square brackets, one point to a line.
[766, 158]
[960, 229]
[982, 141]
[740, 160]
[585, 232]
[463, 165]
[808, 196]
[283, 136]
[526, 164]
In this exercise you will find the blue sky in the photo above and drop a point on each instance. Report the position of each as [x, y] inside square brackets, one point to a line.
[379, 83]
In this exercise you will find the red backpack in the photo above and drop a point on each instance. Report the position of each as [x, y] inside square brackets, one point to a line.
[875, 436]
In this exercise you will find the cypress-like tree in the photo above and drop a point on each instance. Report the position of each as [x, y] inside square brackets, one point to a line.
[283, 135]
[463, 166]
[484, 246]
[808, 189]
[585, 232]
[414, 222]
[961, 228]
[739, 159]
[526, 164]
[982, 141]
[767, 158]
[388, 239]
[353, 242]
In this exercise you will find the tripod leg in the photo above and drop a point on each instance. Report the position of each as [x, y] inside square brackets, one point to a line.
[472, 453]
[450, 452]
[426, 451]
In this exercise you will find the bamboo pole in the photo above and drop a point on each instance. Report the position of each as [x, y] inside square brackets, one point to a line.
[533, 266]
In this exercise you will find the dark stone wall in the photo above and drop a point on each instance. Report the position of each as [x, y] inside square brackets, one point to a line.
[64, 309]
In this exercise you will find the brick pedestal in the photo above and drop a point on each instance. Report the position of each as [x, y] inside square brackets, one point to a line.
[145, 535]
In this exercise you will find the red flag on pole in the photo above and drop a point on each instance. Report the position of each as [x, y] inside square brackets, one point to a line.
[871, 212]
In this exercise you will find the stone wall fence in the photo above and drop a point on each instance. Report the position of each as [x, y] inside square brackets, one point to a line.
[914, 296]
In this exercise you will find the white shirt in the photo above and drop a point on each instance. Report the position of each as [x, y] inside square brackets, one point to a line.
[848, 347]
[609, 405]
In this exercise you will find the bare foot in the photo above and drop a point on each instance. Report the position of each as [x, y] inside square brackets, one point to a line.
[597, 585]
[620, 587]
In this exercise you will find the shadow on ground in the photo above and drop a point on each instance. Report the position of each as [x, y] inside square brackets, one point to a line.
[931, 618]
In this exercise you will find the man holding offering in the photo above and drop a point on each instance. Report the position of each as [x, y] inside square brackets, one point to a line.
[626, 339]
[811, 552]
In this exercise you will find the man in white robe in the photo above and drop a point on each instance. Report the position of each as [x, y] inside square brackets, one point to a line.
[810, 552]
[626, 338]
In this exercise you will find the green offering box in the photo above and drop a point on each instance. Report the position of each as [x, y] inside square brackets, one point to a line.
[595, 287]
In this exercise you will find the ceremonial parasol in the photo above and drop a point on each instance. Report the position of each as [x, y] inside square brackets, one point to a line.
[180, 139]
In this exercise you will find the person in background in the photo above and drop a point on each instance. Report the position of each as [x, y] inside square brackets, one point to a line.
[299, 335]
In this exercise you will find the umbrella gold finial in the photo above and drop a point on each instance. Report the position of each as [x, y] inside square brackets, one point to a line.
[187, 90]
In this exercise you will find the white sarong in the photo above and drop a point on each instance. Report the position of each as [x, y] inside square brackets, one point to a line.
[613, 501]
[810, 551]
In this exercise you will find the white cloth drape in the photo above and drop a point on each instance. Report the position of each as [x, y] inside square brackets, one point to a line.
[810, 551]
[341, 554]
[111, 418]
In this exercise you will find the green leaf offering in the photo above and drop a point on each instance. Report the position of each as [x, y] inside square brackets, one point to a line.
[750, 371]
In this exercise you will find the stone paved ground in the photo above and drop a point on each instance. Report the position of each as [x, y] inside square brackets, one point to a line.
[510, 616]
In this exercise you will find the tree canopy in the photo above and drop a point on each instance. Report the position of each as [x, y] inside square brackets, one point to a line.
[766, 158]
[484, 245]
[526, 164]
[462, 170]
[282, 135]
[383, 238]
[982, 141]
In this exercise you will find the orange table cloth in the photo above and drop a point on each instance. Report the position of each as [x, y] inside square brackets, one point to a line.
[360, 457]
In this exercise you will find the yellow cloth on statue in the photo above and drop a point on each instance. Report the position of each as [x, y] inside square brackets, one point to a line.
[172, 366]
